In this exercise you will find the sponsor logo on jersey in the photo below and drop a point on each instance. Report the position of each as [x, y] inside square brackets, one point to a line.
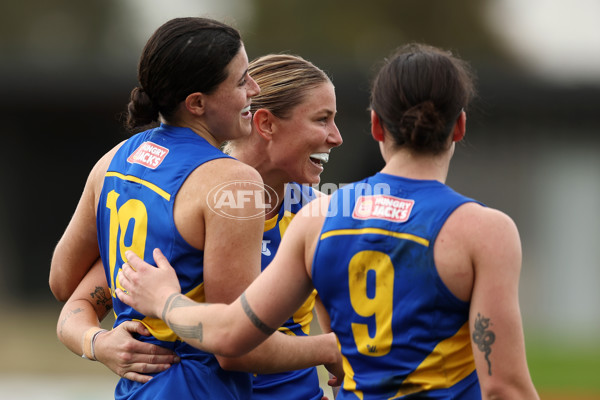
[381, 206]
[149, 155]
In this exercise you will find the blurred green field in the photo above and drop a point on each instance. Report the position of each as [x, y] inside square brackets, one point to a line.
[564, 370]
[35, 362]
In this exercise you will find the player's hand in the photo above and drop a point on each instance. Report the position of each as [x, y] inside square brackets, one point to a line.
[130, 358]
[147, 288]
[336, 370]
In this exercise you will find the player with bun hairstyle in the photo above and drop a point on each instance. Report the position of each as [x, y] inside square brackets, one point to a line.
[151, 191]
[420, 282]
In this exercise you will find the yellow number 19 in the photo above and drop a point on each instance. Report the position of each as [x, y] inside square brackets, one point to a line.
[120, 218]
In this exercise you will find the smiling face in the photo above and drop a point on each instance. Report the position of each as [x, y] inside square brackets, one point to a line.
[301, 142]
[227, 113]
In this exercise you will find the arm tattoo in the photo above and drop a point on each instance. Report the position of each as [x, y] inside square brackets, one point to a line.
[185, 331]
[101, 298]
[188, 331]
[64, 320]
[484, 338]
[254, 318]
[167, 304]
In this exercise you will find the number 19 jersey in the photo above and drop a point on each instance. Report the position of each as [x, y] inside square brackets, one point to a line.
[135, 212]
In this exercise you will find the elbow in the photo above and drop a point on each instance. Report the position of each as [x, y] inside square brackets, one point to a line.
[231, 363]
[228, 347]
[60, 292]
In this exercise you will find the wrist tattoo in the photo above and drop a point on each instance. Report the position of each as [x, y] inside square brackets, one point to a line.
[254, 318]
[484, 338]
[167, 304]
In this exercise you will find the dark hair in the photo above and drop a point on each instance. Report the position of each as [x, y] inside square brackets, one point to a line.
[183, 56]
[419, 93]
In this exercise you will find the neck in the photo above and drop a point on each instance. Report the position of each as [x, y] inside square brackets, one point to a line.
[415, 166]
[258, 159]
[197, 126]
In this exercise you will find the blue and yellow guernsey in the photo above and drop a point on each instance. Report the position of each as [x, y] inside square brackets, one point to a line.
[401, 331]
[301, 384]
[135, 212]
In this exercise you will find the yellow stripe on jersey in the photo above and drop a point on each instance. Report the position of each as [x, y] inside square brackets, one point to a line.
[304, 314]
[349, 383]
[160, 330]
[135, 179]
[285, 222]
[270, 223]
[378, 231]
[450, 362]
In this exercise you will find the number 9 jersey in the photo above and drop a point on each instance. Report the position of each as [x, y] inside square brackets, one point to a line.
[400, 329]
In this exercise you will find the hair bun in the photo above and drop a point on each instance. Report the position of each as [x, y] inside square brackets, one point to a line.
[421, 124]
[141, 110]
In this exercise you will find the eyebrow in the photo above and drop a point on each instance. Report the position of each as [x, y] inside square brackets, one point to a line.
[243, 75]
[328, 111]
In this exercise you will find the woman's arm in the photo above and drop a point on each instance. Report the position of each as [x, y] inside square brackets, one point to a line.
[495, 318]
[117, 349]
[78, 249]
[232, 331]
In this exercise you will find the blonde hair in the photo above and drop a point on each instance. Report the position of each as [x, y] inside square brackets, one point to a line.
[284, 82]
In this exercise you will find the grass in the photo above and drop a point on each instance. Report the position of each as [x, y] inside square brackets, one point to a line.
[564, 370]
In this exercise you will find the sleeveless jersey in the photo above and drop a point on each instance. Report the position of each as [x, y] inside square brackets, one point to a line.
[400, 329]
[135, 212]
[300, 384]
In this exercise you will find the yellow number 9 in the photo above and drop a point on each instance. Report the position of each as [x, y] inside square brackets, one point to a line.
[380, 305]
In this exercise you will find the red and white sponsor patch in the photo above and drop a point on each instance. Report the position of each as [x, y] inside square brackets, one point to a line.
[382, 206]
[149, 155]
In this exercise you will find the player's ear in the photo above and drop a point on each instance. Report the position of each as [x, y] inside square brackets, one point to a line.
[460, 127]
[195, 103]
[264, 123]
[377, 130]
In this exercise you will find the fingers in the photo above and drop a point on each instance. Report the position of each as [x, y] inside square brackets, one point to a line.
[133, 260]
[136, 372]
[135, 327]
[122, 296]
[161, 260]
[134, 376]
[334, 382]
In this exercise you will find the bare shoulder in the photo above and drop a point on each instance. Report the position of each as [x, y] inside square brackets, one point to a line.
[221, 171]
[315, 210]
[309, 222]
[475, 220]
[485, 231]
[228, 169]
[96, 177]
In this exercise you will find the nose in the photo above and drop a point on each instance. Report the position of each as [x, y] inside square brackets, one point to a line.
[253, 88]
[335, 137]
